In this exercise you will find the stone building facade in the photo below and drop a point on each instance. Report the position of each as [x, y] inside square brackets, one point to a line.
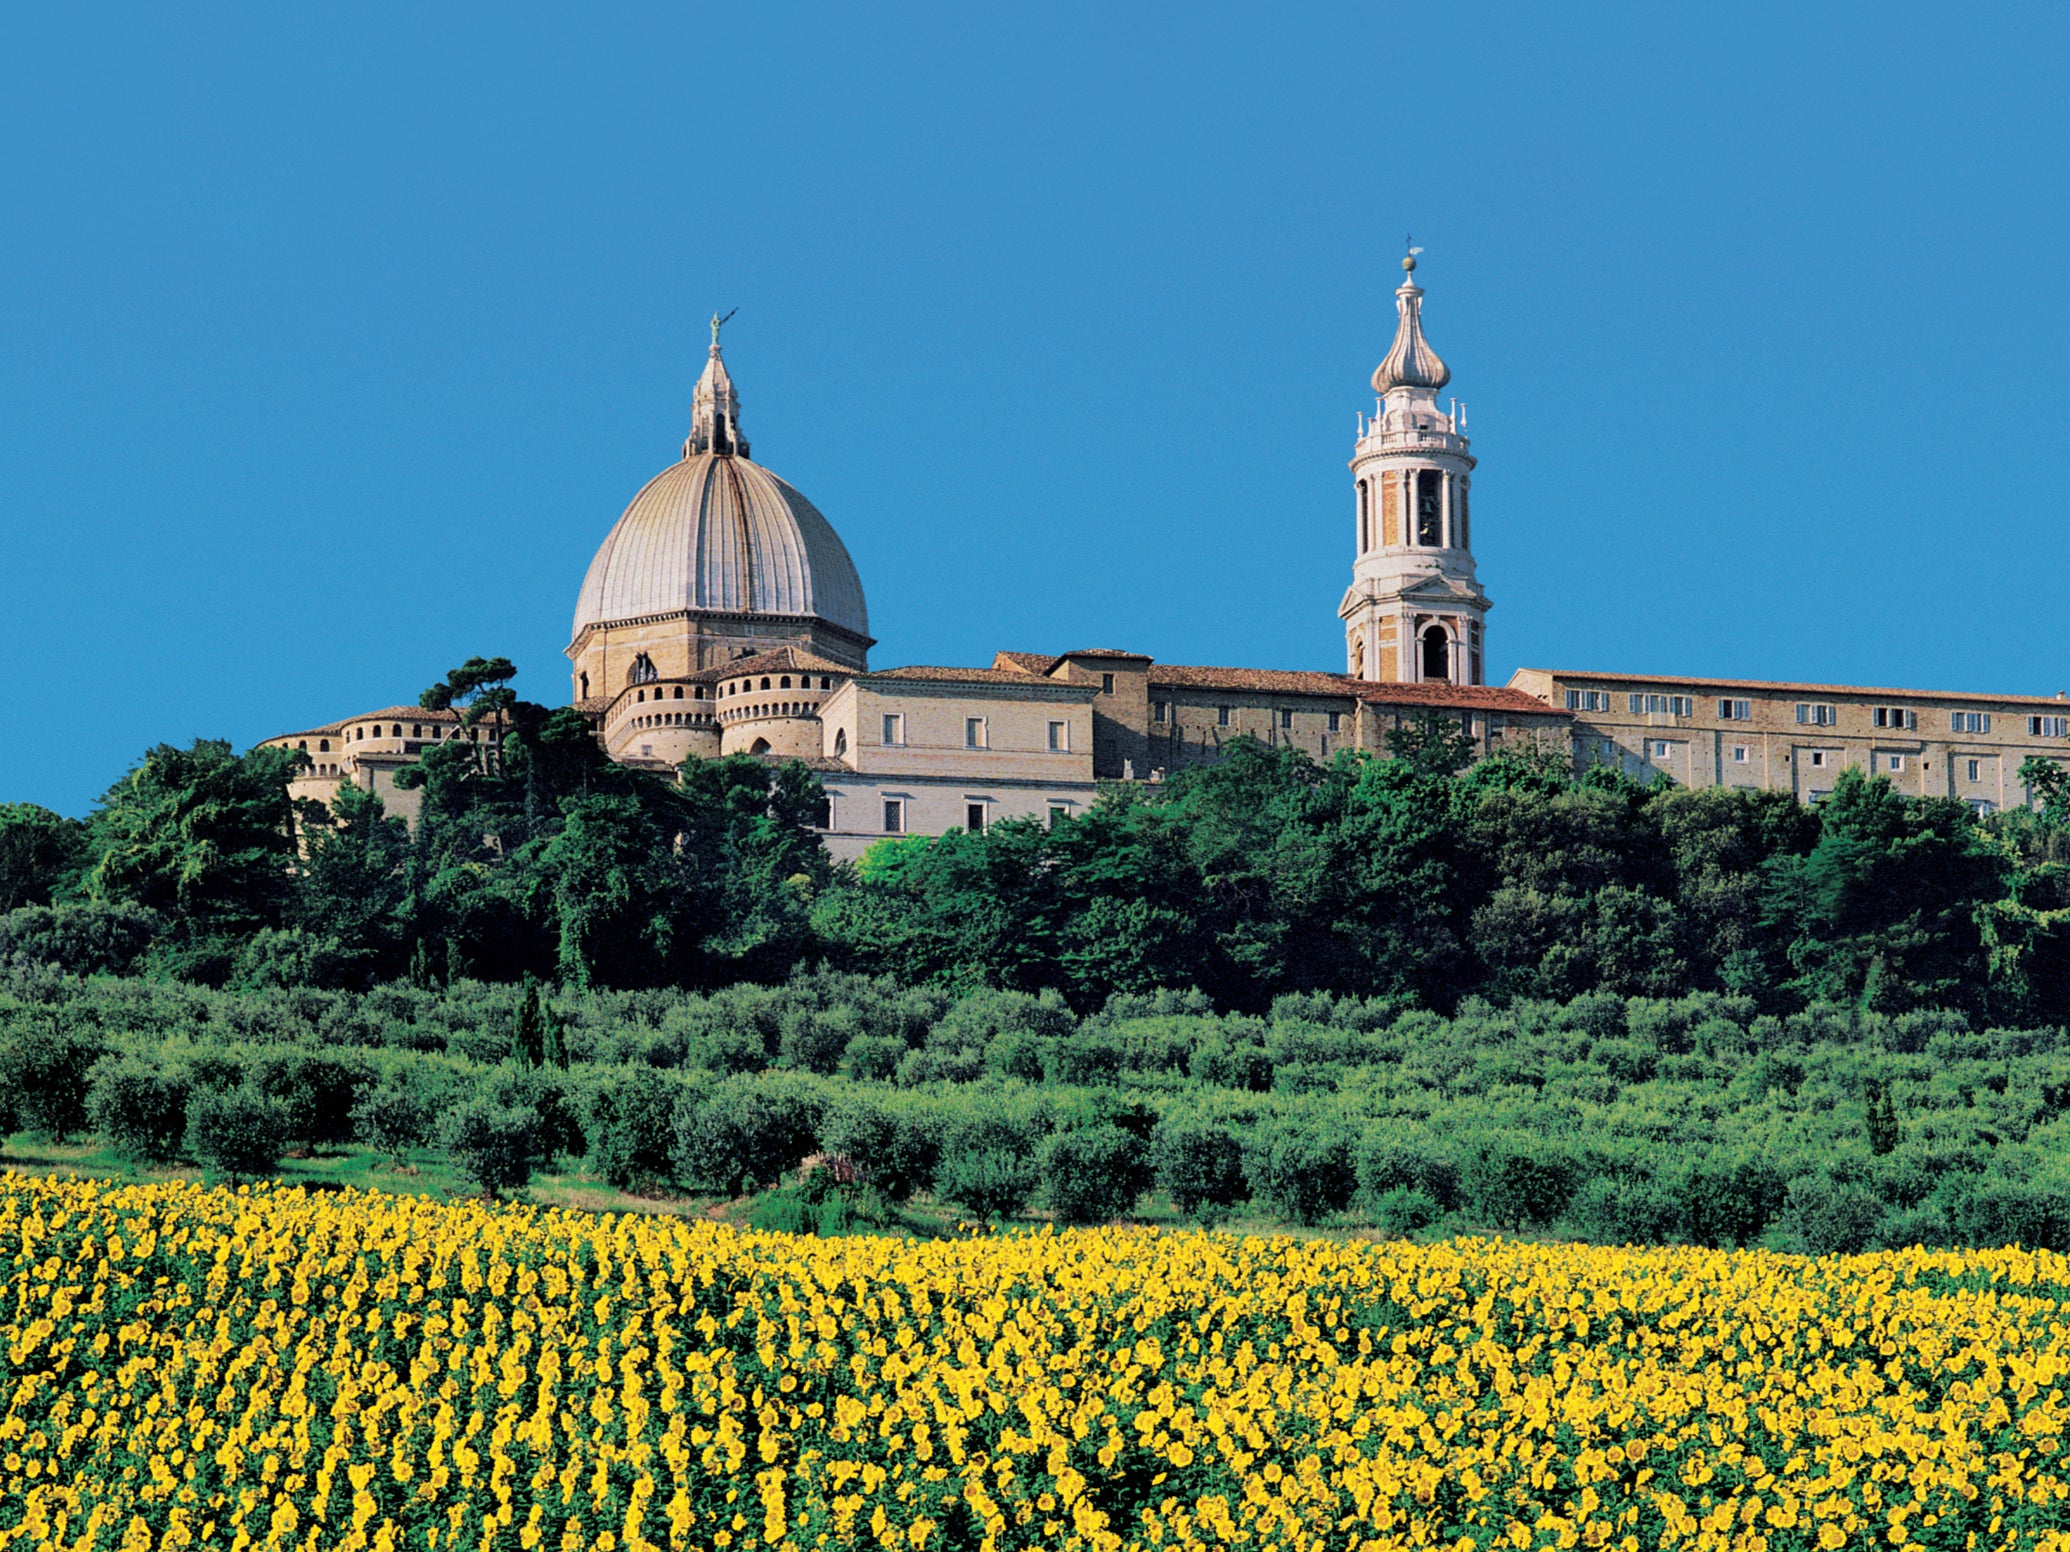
[1797, 738]
[722, 615]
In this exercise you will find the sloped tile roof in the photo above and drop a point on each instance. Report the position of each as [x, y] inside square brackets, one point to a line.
[1790, 687]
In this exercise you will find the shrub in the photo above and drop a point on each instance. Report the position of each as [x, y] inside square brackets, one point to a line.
[897, 1147]
[1516, 1182]
[1729, 1201]
[316, 1090]
[495, 1146]
[1091, 1174]
[1201, 1166]
[737, 1135]
[139, 1106]
[874, 1058]
[1990, 1212]
[46, 1071]
[632, 1130]
[1402, 1212]
[79, 939]
[988, 1164]
[1825, 1217]
[1087, 1058]
[237, 1132]
[393, 1119]
[1626, 1210]
[1301, 1172]
[1231, 1065]
[1391, 1159]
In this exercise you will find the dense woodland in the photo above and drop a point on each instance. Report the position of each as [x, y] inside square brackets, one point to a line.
[1385, 990]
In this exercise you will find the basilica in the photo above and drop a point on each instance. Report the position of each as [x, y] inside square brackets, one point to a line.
[723, 615]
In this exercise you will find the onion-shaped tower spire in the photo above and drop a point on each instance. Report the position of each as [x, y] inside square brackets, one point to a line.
[1410, 363]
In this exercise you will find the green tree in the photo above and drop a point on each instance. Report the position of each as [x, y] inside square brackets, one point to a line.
[479, 689]
[41, 855]
[201, 835]
[1431, 744]
[1886, 906]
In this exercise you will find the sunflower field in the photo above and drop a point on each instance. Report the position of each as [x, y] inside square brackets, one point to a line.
[268, 1367]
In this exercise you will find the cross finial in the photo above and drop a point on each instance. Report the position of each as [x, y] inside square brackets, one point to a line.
[719, 323]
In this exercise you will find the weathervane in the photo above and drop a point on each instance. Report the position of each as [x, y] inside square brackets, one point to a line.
[719, 323]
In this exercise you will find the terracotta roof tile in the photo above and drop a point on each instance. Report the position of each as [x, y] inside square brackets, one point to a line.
[1114, 652]
[772, 662]
[1276, 681]
[416, 714]
[1025, 662]
[1790, 687]
[923, 672]
[1270, 681]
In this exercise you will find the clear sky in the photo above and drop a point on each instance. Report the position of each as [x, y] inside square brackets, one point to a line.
[333, 339]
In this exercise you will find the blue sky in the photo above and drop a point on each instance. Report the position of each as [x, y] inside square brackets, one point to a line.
[333, 340]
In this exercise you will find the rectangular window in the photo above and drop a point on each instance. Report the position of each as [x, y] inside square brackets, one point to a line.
[894, 728]
[1974, 766]
[1058, 813]
[1588, 700]
[1221, 716]
[1325, 742]
[1818, 759]
[823, 817]
[2048, 727]
[1106, 684]
[1896, 717]
[1816, 715]
[1895, 761]
[1638, 705]
[1969, 722]
[1739, 754]
[974, 733]
[1060, 738]
[1661, 705]
[973, 817]
[1660, 749]
[1286, 720]
[1336, 722]
[1157, 711]
[894, 816]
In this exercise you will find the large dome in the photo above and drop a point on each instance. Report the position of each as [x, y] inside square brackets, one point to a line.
[718, 532]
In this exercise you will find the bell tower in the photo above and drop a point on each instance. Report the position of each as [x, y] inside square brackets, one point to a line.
[1414, 613]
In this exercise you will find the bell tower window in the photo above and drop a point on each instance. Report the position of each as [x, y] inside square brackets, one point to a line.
[1437, 655]
[1430, 508]
[1365, 517]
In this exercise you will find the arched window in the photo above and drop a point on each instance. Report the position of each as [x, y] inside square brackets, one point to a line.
[825, 683]
[1437, 654]
[304, 744]
[323, 746]
[678, 695]
[1430, 502]
[765, 681]
[1358, 657]
[759, 746]
[786, 684]
[840, 741]
[1365, 518]
[642, 671]
[584, 678]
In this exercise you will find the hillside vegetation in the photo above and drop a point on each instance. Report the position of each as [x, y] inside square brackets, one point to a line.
[840, 1097]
